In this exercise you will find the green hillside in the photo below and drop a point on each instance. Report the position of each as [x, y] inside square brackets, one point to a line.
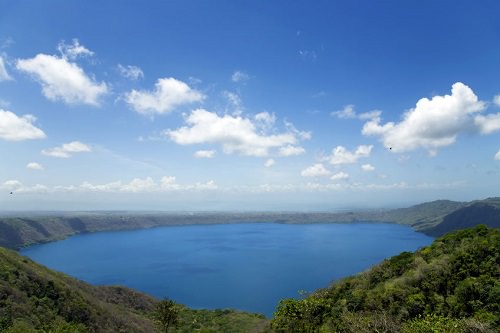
[487, 211]
[34, 298]
[452, 285]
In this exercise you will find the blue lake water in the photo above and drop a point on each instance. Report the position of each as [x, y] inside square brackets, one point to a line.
[243, 266]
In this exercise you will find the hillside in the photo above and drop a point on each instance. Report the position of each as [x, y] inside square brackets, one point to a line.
[487, 211]
[453, 285]
[34, 298]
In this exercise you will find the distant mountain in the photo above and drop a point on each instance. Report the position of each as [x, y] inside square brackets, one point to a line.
[34, 298]
[482, 211]
[421, 216]
[450, 286]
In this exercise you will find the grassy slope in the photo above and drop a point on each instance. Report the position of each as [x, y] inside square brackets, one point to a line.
[454, 282]
[33, 297]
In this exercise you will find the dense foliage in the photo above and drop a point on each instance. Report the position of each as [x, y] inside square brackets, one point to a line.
[452, 285]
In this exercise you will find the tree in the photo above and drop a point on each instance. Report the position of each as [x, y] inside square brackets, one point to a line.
[166, 315]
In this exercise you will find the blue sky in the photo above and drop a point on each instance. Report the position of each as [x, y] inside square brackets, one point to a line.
[247, 105]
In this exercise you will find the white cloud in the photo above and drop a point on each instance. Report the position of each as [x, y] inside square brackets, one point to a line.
[239, 76]
[130, 72]
[304, 135]
[340, 155]
[204, 153]
[4, 75]
[16, 186]
[290, 150]
[370, 115]
[14, 128]
[62, 80]
[169, 93]
[346, 113]
[34, 166]
[235, 101]
[236, 134]
[367, 167]
[487, 124]
[265, 119]
[340, 176]
[496, 100]
[67, 149]
[316, 170]
[433, 123]
[497, 155]
[73, 51]
[140, 185]
[269, 163]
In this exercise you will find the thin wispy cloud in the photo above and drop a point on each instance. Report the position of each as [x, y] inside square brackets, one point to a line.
[67, 150]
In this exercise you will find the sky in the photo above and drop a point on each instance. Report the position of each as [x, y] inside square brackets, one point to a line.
[247, 105]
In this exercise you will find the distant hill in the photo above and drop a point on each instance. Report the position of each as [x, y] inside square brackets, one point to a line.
[451, 286]
[482, 211]
[34, 298]
[420, 216]
[434, 218]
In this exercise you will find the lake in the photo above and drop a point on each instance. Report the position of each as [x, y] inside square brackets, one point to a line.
[247, 266]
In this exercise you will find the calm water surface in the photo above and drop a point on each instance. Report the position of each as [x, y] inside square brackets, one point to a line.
[243, 266]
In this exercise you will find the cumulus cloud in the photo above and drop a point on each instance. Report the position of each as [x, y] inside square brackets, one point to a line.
[339, 176]
[74, 50]
[290, 150]
[269, 163]
[316, 170]
[63, 80]
[130, 72]
[34, 166]
[236, 134]
[434, 123]
[4, 75]
[497, 155]
[204, 153]
[239, 76]
[15, 128]
[340, 155]
[168, 94]
[367, 167]
[487, 124]
[67, 149]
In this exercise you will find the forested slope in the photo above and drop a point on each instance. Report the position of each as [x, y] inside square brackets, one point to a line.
[452, 285]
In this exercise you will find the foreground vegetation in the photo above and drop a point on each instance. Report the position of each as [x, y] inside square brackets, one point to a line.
[452, 285]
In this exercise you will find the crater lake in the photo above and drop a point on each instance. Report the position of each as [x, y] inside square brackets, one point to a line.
[248, 266]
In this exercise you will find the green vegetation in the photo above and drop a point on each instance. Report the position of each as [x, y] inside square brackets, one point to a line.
[452, 285]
